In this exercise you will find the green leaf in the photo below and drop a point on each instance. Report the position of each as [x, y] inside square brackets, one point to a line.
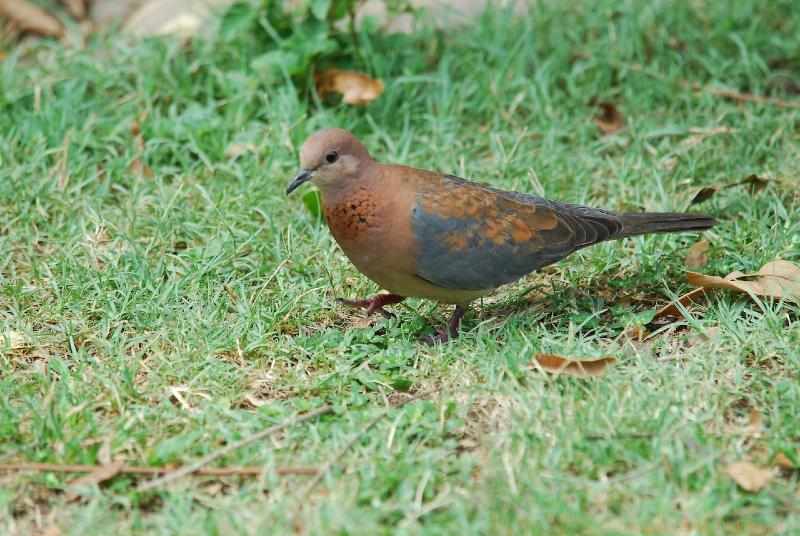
[274, 62]
[313, 202]
[402, 384]
[319, 8]
[310, 40]
[633, 318]
[340, 9]
[236, 20]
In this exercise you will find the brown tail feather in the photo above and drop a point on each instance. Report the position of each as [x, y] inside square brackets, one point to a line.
[634, 223]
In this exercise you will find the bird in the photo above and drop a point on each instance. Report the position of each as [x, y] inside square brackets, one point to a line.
[424, 234]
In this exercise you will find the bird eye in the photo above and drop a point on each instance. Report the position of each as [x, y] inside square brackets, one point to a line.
[331, 156]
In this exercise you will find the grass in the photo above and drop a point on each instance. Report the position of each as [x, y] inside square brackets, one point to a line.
[206, 281]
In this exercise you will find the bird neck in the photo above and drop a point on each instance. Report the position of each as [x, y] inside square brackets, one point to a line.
[365, 179]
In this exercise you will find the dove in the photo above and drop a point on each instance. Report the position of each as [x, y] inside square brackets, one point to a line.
[424, 234]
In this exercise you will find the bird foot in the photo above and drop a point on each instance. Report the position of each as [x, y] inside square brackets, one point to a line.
[450, 333]
[374, 303]
[432, 340]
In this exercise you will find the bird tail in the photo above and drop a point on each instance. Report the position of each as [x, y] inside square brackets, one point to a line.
[637, 223]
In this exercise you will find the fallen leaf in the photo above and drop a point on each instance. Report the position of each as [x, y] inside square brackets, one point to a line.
[468, 444]
[784, 462]
[252, 402]
[15, 340]
[754, 418]
[700, 134]
[52, 530]
[755, 183]
[580, 368]
[76, 8]
[32, 18]
[139, 169]
[355, 88]
[213, 488]
[636, 332]
[235, 150]
[704, 193]
[136, 130]
[671, 309]
[697, 257]
[363, 322]
[183, 18]
[777, 279]
[749, 476]
[104, 452]
[97, 476]
[610, 120]
[753, 427]
[136, 166]
[106, 13]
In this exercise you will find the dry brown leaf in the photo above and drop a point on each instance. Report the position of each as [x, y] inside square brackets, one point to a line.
[671, 309]
[136, 132]
[136, 166]
[697, 256]
[183, 18]
[52, 530]
[636, 332]
[104, 452]
[355, 88]
[363, 322]
[15, 340]
[610, 120]
[97, 476]
[32, 18]
[580, 368]
[754, 418]
[700, 134]
[749, 476]
[776, 279]
[755, 183]
[76, 8]
[252, 402]
[468, 444]
[235, 150]
[139, 169]
[753, 428]
[704, 193]
[783, 461]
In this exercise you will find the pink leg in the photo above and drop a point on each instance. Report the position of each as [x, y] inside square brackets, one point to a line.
[375, 303]
[452, 328]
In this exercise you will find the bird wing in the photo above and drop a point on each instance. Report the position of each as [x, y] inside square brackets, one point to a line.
[472, 237]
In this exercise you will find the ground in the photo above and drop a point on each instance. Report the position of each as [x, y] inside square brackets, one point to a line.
[173, 300]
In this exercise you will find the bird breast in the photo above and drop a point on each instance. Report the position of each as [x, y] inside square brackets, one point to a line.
[352, 217]
[374, 231]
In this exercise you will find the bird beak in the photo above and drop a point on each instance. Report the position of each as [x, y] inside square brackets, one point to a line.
[302, 176]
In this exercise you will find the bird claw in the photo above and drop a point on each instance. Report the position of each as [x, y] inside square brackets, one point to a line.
[450, 333]
[374, 304]
[432, 340]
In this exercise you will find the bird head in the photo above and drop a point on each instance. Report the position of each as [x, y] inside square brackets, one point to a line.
[331, 159]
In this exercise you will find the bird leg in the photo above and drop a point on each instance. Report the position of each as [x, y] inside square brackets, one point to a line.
[452, 328]
[374, 303]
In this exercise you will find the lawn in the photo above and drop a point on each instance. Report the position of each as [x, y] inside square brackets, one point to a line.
[172, 300]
